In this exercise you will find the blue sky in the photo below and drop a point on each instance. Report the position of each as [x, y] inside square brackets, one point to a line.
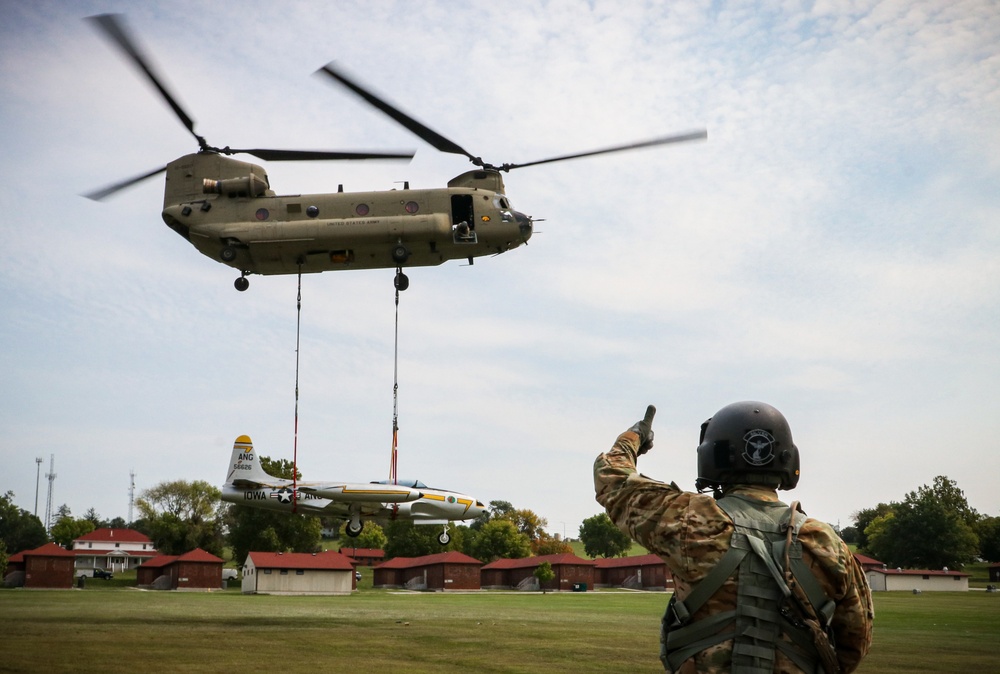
[832, 249]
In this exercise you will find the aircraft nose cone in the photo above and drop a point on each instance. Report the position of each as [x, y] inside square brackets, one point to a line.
[524, 224]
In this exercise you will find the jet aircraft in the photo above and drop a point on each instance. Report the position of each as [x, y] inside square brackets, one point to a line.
[247, 484]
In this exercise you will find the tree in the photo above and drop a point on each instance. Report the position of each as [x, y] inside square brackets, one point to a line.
[546, 544]
[497, 539]
[988, 530]
[19, 529]
[180, 516]
[68, 529]
[254, 529]
[372, 536]
[863, 518]
[849, 535]
[406, 539]
[602, 538]
[92, 516]
[930, 529]
[527, 522]
[544, 573]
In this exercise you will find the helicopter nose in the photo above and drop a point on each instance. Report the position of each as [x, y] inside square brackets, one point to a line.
[524, 224]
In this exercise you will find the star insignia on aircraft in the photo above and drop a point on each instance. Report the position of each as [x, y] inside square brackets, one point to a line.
[284, 495]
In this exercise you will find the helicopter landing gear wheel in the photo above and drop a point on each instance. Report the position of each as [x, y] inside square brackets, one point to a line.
[228, 254]
[400, 254]
[402, 281]
[241, 283]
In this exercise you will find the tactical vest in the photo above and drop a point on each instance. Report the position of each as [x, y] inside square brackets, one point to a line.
[767, 555]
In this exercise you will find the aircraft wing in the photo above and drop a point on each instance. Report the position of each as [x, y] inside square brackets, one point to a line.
[345, 492]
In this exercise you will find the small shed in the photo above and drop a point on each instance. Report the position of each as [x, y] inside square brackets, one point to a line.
[912, 580]
[642, 572]
[994, 573]
[571, 572]
[364, 556]
[153, 568]
[196, 570]
[49, 566]
[450, 570]
[298, 573]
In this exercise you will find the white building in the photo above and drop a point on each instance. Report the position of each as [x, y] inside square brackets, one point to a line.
[298, 573]
[111, 549]
[924, 580]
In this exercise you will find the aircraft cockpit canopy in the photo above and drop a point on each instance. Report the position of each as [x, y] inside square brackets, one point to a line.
[412, 484]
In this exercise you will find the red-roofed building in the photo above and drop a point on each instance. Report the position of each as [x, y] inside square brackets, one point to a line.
[111, 549]
[49, 566]
[450, 570]
[642, 572]
[571, 572]
[914, 580]
[298, 573]
[194, 570]
[868, 563]
[364, 556]
[153, 568]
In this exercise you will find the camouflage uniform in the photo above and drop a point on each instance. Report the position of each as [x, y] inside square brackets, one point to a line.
[691, 533]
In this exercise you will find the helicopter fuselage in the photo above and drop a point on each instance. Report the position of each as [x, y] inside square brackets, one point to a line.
[227, 210]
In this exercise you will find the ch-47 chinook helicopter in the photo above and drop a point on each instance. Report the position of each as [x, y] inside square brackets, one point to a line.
[228, 211]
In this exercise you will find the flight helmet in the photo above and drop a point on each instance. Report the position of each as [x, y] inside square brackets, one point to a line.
[747, 443]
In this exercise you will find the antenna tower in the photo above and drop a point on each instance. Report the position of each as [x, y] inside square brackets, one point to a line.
[51, 477]
[38, 479]
[131, 494]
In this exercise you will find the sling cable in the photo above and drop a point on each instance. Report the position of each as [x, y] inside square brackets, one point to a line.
[295, 433]
[393, 478]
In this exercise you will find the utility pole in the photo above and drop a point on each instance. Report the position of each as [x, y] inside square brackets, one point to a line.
[51, 476]
[131, 494]
[38, 477]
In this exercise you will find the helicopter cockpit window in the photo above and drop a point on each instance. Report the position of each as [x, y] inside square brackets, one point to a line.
[501, 204]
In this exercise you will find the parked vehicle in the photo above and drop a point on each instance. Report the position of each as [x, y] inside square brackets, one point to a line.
[103, 574]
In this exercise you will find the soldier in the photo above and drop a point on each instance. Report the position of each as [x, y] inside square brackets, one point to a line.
[758, 586]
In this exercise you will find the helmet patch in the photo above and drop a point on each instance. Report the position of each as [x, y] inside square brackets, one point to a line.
[758, 448]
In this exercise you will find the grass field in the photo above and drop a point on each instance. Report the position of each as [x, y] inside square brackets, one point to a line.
[112, 628]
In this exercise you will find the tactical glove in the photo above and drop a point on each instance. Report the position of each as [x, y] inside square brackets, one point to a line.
[644, 429]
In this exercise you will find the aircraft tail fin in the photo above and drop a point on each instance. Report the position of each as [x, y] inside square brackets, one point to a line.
[244, 466]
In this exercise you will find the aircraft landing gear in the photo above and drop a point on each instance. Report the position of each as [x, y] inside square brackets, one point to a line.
[354, 525]
[241, 283]
[444, 537]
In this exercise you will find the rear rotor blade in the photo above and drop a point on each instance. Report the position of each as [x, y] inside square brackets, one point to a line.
[99, 195]
[678, 138]
[114, 29]
[427, 134]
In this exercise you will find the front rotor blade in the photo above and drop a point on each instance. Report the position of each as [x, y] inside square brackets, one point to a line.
[679, 138]
[432, 137]
[114, 28]
[99, 195]
[318, 155]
